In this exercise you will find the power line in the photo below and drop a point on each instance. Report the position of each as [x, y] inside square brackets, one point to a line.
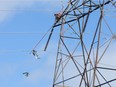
[13, 1]
[21, 32]
[42, 10]
[24, 51]
[27, 10]
[33, 1]
[14, 51]
[24, 33]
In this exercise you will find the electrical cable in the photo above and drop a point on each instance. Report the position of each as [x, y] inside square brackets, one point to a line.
[41, 39]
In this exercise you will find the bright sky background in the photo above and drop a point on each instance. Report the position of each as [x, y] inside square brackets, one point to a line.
[22, 24]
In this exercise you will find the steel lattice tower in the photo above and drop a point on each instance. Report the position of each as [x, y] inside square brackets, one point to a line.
[85, 37]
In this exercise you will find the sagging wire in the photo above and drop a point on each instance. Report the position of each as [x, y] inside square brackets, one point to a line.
[33, 51]
[57, 19]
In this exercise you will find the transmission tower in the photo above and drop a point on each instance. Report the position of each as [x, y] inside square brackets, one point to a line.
[86, 34]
